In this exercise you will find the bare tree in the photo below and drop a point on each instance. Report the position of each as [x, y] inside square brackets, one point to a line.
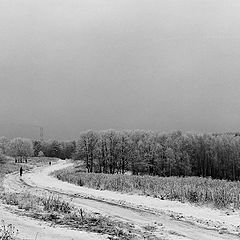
[4, 142]
[20, 149]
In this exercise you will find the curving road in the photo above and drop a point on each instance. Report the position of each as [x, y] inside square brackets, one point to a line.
[105, 202]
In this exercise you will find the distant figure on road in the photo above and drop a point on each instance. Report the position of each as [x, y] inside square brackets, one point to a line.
[50, 163]
[21, 171]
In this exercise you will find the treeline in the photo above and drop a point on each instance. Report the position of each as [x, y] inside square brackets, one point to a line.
[19, 148]
[22, 148]
[141, 152]
[174, 154]
[54, 148]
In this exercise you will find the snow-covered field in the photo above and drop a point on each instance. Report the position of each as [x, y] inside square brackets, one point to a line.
[30, 229]
[178, 220]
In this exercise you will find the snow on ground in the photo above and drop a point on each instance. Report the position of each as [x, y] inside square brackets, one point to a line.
[34, 229]
[204, 214]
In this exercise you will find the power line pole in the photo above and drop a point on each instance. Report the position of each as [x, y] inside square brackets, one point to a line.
[41, 133]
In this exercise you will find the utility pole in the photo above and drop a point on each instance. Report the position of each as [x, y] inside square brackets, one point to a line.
[41, 133]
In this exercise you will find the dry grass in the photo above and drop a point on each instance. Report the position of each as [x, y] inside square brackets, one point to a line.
[52, 208]
[40, 161]
[57, 211]
[7, 231]
[220, 193]
[8, 165]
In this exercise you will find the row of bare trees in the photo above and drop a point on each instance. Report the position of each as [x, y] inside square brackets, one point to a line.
[19, 148]
[141, 152]
[22, 148]
[54, 148]
[145, 152]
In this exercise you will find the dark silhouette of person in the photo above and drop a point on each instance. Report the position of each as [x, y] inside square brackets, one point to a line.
[50, 163]
[21, 171]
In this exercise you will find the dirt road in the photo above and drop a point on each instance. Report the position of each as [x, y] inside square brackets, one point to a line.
[169, 218]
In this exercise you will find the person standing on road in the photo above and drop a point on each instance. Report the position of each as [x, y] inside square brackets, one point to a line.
[21, 171]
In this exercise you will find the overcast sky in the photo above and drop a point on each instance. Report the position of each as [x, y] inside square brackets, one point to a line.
[72, 65]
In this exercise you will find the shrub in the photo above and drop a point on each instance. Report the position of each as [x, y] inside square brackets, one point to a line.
[55, 203]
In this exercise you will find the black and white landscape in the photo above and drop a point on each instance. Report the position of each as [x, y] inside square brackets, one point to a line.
[119, 119]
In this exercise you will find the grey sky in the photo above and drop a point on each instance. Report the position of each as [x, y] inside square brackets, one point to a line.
[72, 65]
